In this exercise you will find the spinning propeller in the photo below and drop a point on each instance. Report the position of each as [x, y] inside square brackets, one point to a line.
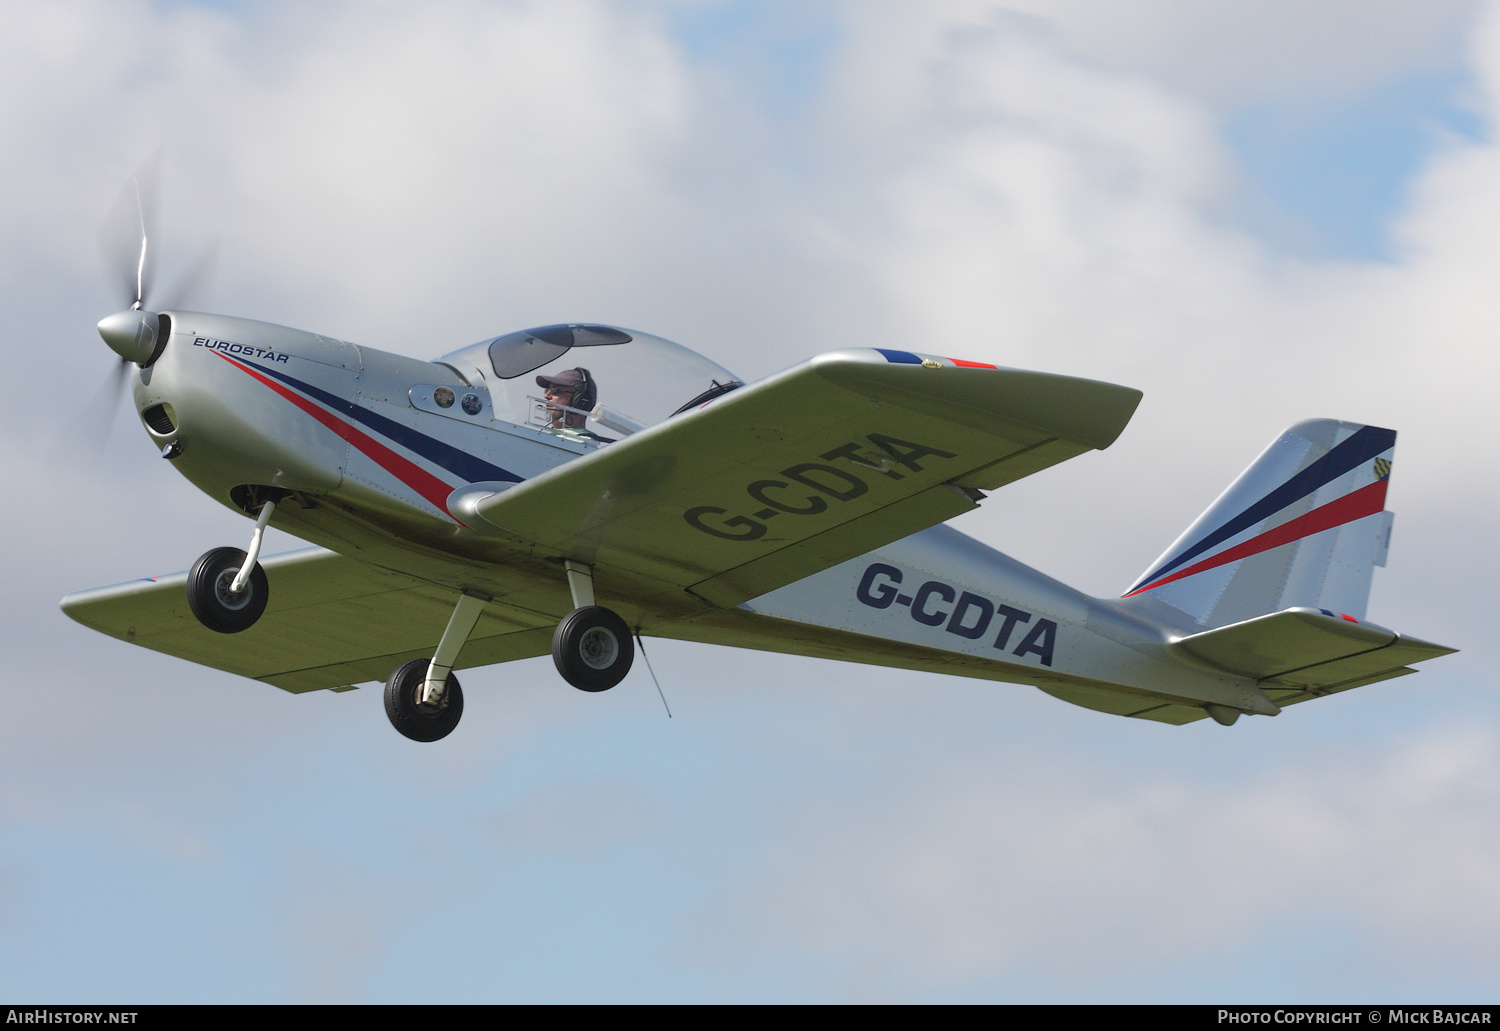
[129, 239]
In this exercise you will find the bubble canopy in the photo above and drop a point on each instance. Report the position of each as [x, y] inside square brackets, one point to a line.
[644, 378]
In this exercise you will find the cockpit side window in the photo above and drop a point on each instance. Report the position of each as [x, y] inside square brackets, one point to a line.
[516, 354]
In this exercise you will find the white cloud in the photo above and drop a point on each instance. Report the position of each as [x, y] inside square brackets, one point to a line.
[1219, 51]
[1080, 879]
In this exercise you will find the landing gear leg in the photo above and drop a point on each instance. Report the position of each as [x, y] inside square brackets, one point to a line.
[592, 647]
[460, 626]
[423, 699]
[227, 589]
[253, 555]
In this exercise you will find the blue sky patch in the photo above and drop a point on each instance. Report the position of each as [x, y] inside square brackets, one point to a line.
[1327, 182]
[779, 51]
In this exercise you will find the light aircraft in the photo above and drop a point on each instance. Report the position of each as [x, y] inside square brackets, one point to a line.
[567, 488]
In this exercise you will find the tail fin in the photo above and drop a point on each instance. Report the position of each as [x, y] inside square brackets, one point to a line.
[1303, 526]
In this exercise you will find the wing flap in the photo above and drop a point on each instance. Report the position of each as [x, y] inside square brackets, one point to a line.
[780, 479]
[332, 621]
[479, 651]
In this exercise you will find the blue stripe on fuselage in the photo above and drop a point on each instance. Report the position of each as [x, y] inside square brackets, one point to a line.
[445, 456]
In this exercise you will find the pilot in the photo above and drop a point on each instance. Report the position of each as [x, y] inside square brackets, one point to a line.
[570, 395]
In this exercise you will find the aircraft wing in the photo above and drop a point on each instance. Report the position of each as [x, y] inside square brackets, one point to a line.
[333, 622]
[798, 472]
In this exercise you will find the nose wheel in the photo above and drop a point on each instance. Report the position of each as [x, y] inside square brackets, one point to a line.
[592, 648]
[226, 588]
[211, 594]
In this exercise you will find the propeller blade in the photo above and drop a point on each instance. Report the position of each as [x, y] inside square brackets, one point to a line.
[128, 234]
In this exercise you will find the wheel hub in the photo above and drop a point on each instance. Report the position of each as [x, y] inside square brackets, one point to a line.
[226, 597]
[598, 648]
[427, 708]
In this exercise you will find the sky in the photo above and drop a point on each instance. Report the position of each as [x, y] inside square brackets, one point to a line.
[1255, 213]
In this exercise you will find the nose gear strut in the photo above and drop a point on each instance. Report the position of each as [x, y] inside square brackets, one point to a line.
[253, 555]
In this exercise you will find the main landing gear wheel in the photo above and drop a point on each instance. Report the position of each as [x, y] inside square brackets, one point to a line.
[210, 597]
[592, 648]
[413, 719]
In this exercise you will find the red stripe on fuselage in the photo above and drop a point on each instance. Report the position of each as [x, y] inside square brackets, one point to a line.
[409, 473]
[1364, 502]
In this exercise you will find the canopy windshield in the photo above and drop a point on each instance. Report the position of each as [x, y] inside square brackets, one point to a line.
[621, 380]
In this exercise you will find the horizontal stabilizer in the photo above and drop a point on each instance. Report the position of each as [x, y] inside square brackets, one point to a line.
[1306, 650]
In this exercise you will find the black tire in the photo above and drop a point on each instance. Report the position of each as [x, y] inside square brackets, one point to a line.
[208, 591]
[414, 720]
[592, 648]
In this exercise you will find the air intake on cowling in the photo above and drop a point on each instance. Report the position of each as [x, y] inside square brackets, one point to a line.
[158, 420]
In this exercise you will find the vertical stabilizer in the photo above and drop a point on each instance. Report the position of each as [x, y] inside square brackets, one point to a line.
[1303, 526]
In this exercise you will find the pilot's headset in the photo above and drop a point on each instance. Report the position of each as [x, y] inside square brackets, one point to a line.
[588, 394]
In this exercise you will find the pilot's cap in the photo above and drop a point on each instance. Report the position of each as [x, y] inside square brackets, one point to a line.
[571, 380]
